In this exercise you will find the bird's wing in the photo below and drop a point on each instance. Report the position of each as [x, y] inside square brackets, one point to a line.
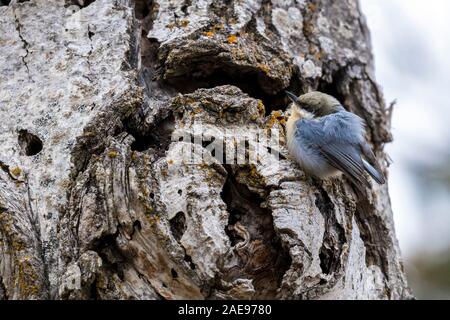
[348, 129]
[372, 166]
[338, 148]
[346, 159]
[344, 127]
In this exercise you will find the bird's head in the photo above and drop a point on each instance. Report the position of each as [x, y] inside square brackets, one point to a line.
[317, 103]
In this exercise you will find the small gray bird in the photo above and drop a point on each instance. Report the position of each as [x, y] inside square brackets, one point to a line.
[327, 140]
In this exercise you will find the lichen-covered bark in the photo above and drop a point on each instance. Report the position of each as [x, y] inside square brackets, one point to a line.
[95, 200]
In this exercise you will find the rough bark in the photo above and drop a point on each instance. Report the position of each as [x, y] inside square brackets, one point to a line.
[94, 200]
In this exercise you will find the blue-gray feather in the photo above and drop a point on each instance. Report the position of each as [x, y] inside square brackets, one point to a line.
[341, 126]
[339, 138]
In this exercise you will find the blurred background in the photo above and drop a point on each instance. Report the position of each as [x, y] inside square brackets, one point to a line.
[411, 43]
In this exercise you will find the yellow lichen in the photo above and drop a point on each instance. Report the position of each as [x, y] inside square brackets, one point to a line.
[313, 50]
[312, 7]
[232, 21]
[152, 219]
[261, 107]
[113, 154]
[26, 278]
[184, 23]
[264, 67]
[203, 166]
[64, 183]
[189, 100]
[148, 209]
[271, 121]
[318, 55]
[150, 214]
[145, 192]
[251, 175]
[217, 27]
[209, 34]
[232, 39]
[170, 161]
[16, 171]
[17, 246]
[254, 172]
[276, 114]
[197, 110]
[276, 117]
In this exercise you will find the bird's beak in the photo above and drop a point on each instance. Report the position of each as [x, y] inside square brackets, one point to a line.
[292, 96]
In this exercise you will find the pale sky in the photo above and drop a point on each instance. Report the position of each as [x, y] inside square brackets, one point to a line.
[411, 43]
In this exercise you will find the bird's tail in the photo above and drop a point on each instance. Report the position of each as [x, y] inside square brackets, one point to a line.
[374, 173]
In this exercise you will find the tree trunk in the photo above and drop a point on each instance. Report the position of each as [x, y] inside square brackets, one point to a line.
[97, 99]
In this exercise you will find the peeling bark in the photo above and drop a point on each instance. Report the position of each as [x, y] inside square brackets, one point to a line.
[95, 200]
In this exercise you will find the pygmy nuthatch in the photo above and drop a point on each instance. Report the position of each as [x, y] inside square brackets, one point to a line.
[327, 139]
